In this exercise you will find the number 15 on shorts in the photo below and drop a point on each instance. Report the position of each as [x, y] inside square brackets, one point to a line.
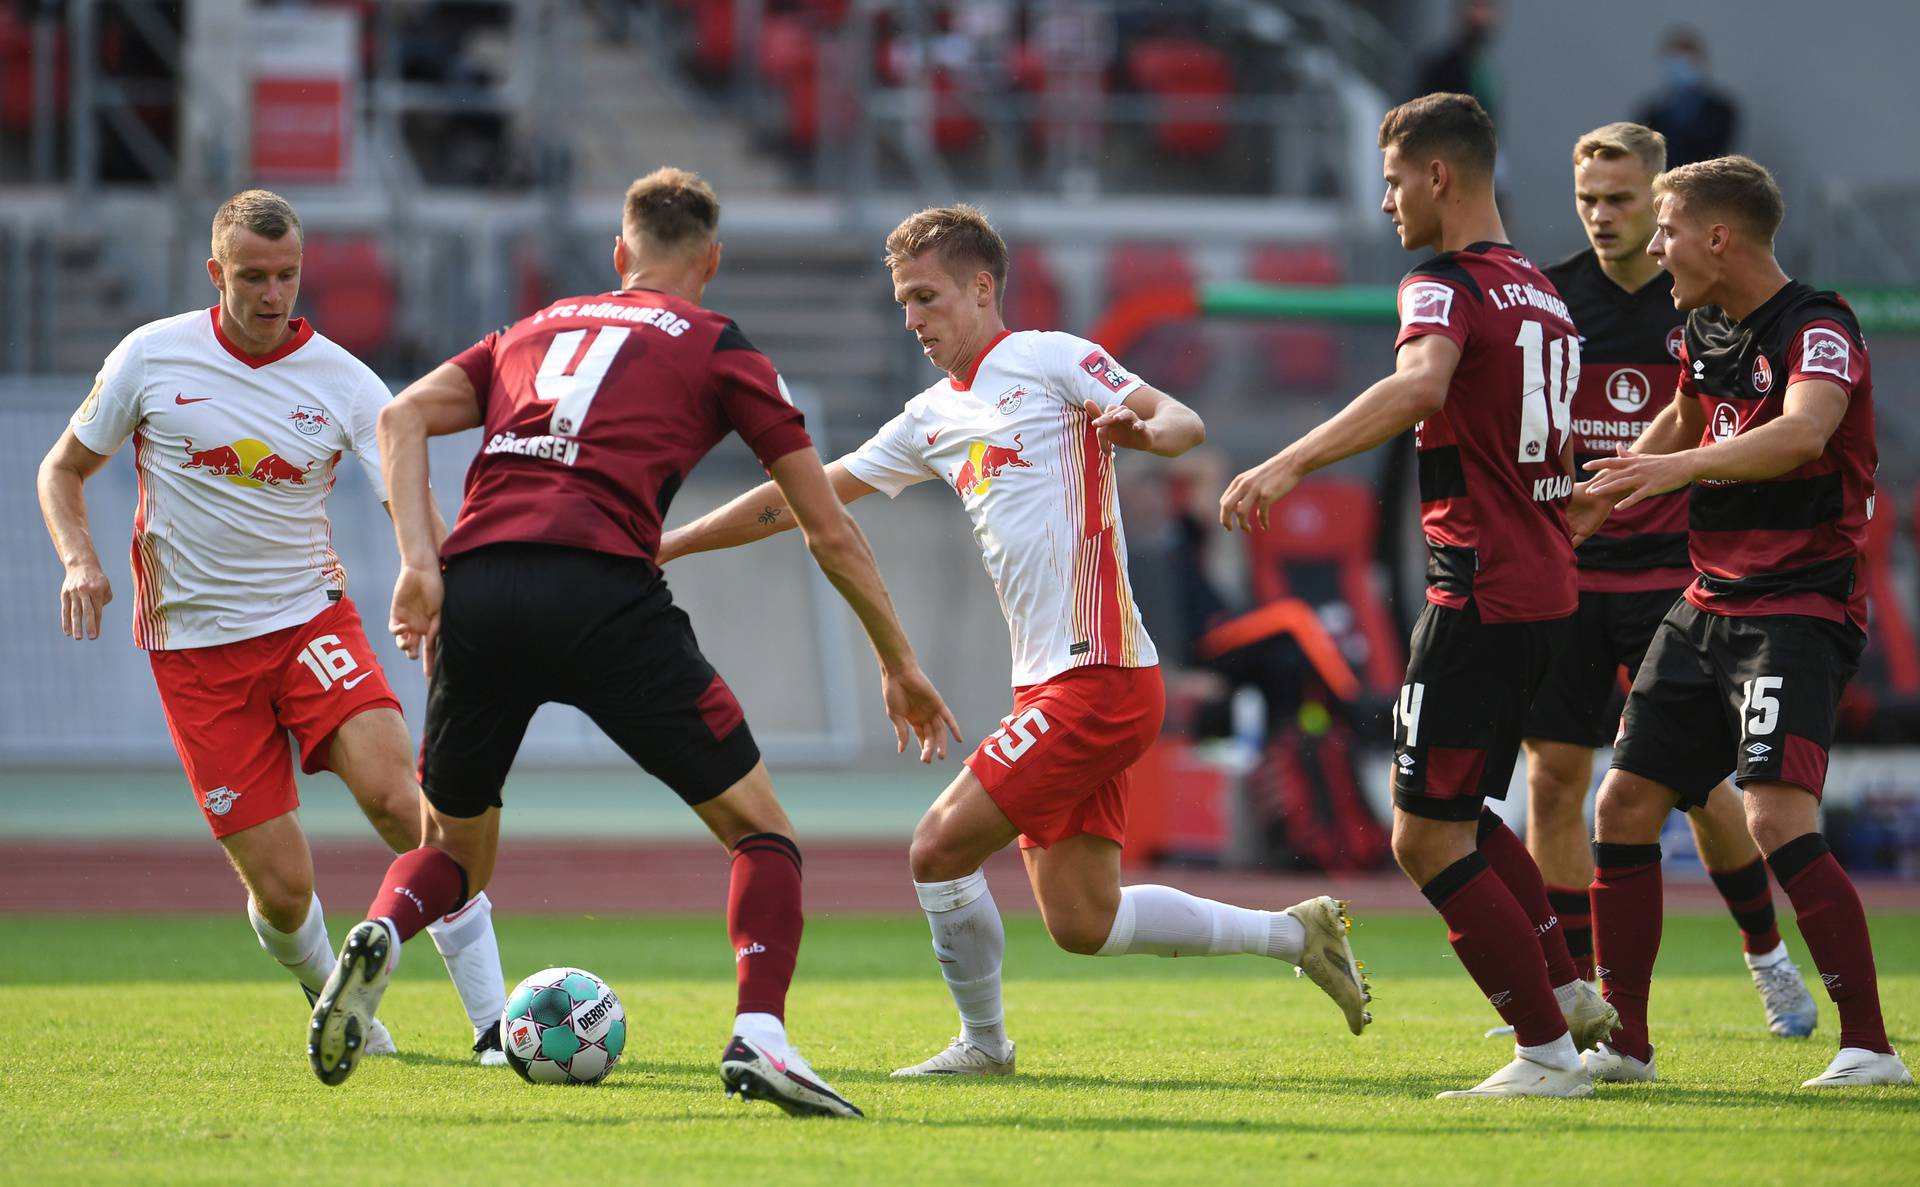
[329, 660]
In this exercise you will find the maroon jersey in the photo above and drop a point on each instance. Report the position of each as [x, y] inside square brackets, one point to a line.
[1794, 544]
[594, 411]
[1493, 484]
[1629, 363]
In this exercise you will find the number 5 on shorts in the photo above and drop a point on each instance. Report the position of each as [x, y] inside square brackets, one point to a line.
[328, 663]
[1758, 698]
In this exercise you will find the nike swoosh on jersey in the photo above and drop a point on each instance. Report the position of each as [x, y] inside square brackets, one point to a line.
[931, 436]
[180, 399]
[355, 680]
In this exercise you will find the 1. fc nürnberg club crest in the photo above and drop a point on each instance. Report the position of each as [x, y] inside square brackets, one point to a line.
[1676, 338]
[1762, 375]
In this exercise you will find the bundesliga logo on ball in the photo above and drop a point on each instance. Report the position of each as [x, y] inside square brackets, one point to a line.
[563, 1026]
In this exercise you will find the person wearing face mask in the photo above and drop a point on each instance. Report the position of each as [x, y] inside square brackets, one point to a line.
[1698, 119]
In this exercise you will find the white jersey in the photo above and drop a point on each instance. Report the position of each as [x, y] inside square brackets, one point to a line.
[235, 456]
[1013, 441]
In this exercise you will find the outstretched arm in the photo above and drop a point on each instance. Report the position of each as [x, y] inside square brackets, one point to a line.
[1416, 390]
[441, 402]
[759, 513]
[63, 503]
[840, 549]
[1148, 420]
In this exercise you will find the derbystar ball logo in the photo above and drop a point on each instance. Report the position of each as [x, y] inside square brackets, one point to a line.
[1628, 389]
[246, 462]
[984, 464]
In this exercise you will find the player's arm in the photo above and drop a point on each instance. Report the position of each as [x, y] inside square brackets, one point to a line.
[1149, 420]
[840, 549]
[761, 512]
[1415, 390]
[1810, 412]
[441, 403]
[1679, 426]
[85, 591]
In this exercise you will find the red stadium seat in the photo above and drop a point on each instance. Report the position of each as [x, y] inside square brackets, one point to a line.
[1298, 356]
[1892, 633]
[1175, 359]
[1193, 82]
[1320, 547]
[1033, 300]
[346, 291]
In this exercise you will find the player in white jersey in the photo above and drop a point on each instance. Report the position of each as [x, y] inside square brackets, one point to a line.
[1022, 428]
[239, 415]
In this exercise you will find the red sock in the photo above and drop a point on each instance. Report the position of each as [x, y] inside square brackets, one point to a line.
[1834, 925]
[1627, 915]
[1515, 867]
[1751, 900]
[421, 885]
[1487, 929]
[764, 921]
[1576, 920]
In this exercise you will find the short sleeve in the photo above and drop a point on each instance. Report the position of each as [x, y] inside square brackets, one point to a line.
[1080, 370]
[111, 411]
[1430, 305]
[888, 461]
[754, 399]
[477, 362]
[368, 397]
[1824, 350]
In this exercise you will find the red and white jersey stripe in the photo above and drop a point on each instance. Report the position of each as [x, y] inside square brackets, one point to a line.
[1014, 441]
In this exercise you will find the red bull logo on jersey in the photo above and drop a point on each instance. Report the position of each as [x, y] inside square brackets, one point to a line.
[246, 462]
[984, 464]
[309, 420]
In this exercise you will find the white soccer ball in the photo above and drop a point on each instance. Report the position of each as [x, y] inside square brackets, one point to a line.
[563, 1026]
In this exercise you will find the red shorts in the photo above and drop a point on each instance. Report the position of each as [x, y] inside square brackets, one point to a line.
[230, 708]
[1057, 766]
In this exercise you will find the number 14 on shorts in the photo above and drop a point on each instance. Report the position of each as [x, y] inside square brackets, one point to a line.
[329, 660]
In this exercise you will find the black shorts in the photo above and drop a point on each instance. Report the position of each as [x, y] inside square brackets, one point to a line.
[1754, 696]
[1579, 701]
[1463, 708]
[527, 624]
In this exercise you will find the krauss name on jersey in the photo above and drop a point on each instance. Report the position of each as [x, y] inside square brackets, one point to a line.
[664, 320]
[1516, 295]
[1545, 490]
[559, 449]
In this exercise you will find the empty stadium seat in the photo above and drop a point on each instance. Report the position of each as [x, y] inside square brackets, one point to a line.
[1033, 300]
[1297, 356]
[346, 291]
[1176, 358]
[1193, 82]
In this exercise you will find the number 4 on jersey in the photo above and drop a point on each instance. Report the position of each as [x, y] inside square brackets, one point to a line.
[572, 386]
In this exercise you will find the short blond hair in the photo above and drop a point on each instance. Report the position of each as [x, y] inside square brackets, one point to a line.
[1734, 187]
[671, 208]
[1612, 141]
[964, 239]
[263, 212]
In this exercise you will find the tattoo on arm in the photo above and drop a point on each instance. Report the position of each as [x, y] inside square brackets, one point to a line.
[769, 514]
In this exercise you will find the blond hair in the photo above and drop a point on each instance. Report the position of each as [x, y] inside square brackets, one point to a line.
[965, 240]
[670, 208]
[1736, 187]
[263, 212]
[1612, 141]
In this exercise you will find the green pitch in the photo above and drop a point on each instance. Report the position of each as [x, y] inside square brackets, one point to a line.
[171, 1050]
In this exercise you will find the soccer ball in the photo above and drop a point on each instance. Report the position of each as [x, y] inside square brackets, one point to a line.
[563, 1026]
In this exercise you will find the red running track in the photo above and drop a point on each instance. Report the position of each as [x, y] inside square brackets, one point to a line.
[572, 878]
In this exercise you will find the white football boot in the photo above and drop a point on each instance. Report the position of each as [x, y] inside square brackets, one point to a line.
[1523, 1077]
[1326, 958]
[1609, 1066]
[1783, 992]
[786, 1080]
[1855, 1067]
[343, 1025]
[963, 1057]
[1589, 1018]
[379, 1042]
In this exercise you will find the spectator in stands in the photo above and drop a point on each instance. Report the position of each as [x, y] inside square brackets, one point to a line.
[1698, 119]
[1465, 67]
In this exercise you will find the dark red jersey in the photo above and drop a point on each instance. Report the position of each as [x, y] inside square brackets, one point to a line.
[1793, 544]
[594, 411]
[1493, 484]
[1629, 363]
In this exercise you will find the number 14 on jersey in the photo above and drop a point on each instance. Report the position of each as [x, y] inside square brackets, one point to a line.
[1550, 373]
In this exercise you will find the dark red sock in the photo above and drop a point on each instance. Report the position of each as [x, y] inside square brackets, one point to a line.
[421, 885]
[1487, 930]
[1750, 899]
[1576, 920]
[764, 921]
[1515, 866]
[1627, 915]
[1834, 926]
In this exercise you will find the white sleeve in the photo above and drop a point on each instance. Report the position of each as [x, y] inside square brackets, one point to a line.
[1079, 370]
[111, 411]
[888, 460]
[368, 397]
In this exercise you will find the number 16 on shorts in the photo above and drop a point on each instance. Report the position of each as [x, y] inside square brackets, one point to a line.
[329, 661]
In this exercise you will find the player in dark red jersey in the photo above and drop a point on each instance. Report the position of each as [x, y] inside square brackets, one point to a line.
[593, 412]
[1486, 363]
[1772, 424]
[1631, 571]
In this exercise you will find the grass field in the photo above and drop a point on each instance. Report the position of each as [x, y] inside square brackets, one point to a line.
[171, 1050]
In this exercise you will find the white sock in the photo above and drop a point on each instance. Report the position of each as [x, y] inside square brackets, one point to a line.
[1162, 921]
[466, 942]
[969, 941]
[1559, 1054]
[1763, 960]
[764, 1031]
[305, 951]
[393, 946]
[1566, 995]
